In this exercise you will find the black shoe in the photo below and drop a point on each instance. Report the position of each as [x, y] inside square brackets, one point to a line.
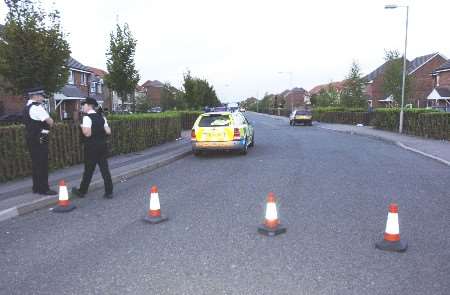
[108, 195]
[76, 192]
[48, 193]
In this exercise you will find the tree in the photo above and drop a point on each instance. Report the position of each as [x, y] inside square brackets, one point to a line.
[198, 92]
[326, 97]
[122, 75]
[142, 103]
[34, 50]
[180, 102]
[353, 92]
[267, 102]
[189, 91]
[168, 97]
[393, 77]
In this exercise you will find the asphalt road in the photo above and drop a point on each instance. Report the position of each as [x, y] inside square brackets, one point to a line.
[333, 191]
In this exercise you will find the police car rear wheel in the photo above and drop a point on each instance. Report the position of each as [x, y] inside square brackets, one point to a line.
[245, 148]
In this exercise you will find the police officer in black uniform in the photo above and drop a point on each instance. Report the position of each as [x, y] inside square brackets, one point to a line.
[95, 130]
[37, 125]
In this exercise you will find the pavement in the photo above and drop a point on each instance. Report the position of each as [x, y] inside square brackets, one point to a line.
[333, 193]
[17, 199]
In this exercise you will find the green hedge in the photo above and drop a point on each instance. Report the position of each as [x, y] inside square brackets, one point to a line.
[388, 119]
[434, 125]
[130, 133]
[419, 122]
[345, 117]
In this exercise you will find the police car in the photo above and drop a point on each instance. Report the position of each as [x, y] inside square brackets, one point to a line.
[223, 131]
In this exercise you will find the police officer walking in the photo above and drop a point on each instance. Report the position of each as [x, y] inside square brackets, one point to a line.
[95, 130]
[37, 125]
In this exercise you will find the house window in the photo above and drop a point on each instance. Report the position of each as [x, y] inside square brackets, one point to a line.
[99, 88]
[83, 79]
[92, 87]
[70, 80]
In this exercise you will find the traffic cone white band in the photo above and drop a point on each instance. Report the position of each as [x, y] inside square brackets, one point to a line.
[271, 212]
[392, 224]
[154, 202]
[392, 232]
[63, 193]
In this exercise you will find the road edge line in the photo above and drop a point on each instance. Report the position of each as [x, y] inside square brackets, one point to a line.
[398, 143]
[404, 146]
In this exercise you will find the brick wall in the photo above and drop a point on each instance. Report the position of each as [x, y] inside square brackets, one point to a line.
[11, 104]
[154, 93]
[77, 82]
[376, 90]
[423, 83]
[444, 79]
[295, 99]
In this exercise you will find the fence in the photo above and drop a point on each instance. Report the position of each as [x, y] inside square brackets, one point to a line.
[129, 134]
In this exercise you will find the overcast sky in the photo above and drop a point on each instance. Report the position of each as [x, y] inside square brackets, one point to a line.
[241, 46]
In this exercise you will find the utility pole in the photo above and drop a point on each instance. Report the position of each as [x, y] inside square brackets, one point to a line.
[400, 125]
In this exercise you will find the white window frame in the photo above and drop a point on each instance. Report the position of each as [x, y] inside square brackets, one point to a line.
[70, 80]
[83, 79]
[93, 87]
[99, 88]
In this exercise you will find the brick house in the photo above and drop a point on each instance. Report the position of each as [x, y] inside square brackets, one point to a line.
[98, 88]
[153, 90]
[317, 89]
[374, 88]
[9, 103]
[439, 97]
[296, 97]
[418, 69]
[67, 101]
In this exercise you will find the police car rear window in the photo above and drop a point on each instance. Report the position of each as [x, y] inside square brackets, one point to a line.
[303, 113]
[214, 121]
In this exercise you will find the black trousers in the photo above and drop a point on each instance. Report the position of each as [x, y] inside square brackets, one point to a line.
[96, 154]
[39, 165]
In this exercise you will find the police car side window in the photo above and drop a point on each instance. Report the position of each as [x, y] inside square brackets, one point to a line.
[238, 120]
[244, 119]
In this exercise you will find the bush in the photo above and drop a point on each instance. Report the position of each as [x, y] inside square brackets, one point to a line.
[388, 119]
[434, 125]
[130, 133]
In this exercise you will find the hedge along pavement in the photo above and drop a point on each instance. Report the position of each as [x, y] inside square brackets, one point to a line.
[130, 133]
[419, 122]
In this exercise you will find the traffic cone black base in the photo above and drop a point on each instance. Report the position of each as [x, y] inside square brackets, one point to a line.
[267, 231]
[397, 246]
[64, 209]
[155, 220]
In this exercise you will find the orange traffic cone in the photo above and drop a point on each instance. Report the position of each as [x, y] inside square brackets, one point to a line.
[271, 226]
[64, 204]
[154, 213]
[391, 240]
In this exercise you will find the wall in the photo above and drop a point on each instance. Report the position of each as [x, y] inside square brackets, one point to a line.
[422, 82]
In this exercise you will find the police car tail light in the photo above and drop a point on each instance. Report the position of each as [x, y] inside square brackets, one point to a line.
[237, 134]
[193, 134]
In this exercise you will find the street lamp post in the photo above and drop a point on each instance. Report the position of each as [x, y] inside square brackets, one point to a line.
[400, 127]
[290, 86]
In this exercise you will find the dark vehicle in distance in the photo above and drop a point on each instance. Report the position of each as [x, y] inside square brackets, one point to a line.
[301, 117]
